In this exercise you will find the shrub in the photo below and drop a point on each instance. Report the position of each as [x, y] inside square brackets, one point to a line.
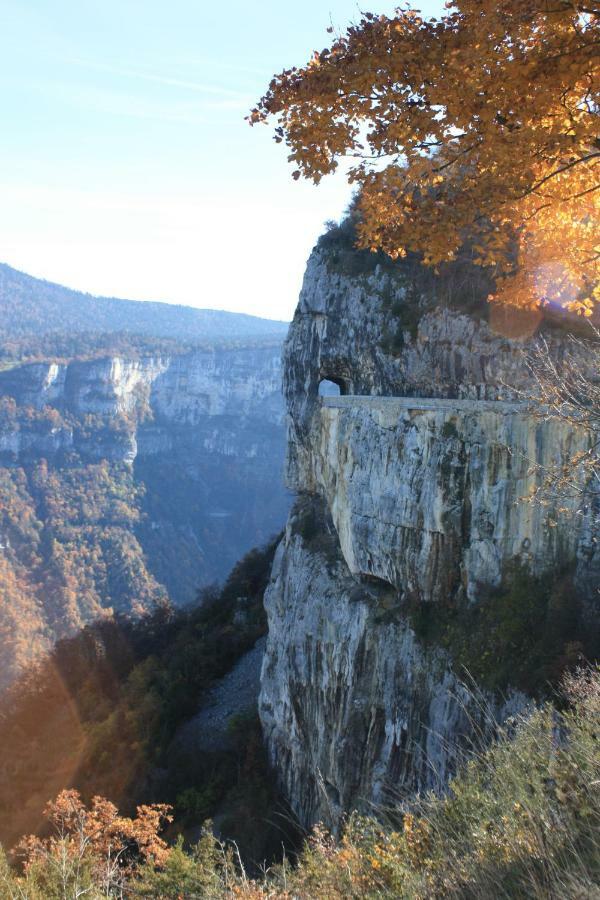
[522, 635]
[130, 685]
[520, 820]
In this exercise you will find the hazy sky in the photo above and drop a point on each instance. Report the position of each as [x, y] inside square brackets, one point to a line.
[126, 167]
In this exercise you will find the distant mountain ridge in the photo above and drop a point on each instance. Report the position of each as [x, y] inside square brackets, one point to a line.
[32, 306]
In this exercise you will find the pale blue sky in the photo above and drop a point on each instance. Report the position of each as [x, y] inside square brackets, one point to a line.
[126, 167]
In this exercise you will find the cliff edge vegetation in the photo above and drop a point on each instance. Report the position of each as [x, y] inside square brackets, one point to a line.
[520, 820]
[478, 124]
[101, 712]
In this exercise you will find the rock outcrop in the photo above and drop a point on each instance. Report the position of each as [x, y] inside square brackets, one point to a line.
[413, 493]
[182, 390]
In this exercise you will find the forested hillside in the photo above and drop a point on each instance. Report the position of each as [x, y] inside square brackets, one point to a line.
[100, 713]
[30, 306]
[128, 483]
[69, 554]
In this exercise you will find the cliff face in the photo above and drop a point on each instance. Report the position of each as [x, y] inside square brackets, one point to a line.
[128, 482]
[176, 390]
[355, 710]
[429, 495]
[413, 497]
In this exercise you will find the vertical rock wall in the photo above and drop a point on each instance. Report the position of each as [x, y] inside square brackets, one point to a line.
[412, 491]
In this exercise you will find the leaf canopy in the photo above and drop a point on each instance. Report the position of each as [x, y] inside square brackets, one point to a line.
[478, 130]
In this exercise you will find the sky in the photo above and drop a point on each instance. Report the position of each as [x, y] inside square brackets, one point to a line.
[126, 166]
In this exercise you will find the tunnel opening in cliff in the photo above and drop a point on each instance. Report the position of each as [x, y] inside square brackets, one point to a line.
[333, 386]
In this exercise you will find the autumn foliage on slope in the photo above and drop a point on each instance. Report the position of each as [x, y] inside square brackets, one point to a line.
[99, 715]
[479, 129]
[520, 820]
[92, 849]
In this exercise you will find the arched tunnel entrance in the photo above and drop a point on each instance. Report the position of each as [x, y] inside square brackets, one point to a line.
[334, 386]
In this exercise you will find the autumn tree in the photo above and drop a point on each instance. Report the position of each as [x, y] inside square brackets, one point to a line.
[476, 133]
[93, 846]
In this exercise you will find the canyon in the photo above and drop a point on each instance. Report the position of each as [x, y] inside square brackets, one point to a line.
[132, 479]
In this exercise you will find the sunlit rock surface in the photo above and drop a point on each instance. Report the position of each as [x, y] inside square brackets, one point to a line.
[413, 490]
[430, 496]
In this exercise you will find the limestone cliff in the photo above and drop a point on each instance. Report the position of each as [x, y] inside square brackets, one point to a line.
[413, 492]
[127, 482]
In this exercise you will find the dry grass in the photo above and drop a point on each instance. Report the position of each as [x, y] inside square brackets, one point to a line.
[521, 820]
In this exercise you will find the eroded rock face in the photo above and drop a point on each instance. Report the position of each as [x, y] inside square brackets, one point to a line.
[419, 479]
[430, 496]
[356, 713]
[351, 329]
[179, 390]
[225, 402]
